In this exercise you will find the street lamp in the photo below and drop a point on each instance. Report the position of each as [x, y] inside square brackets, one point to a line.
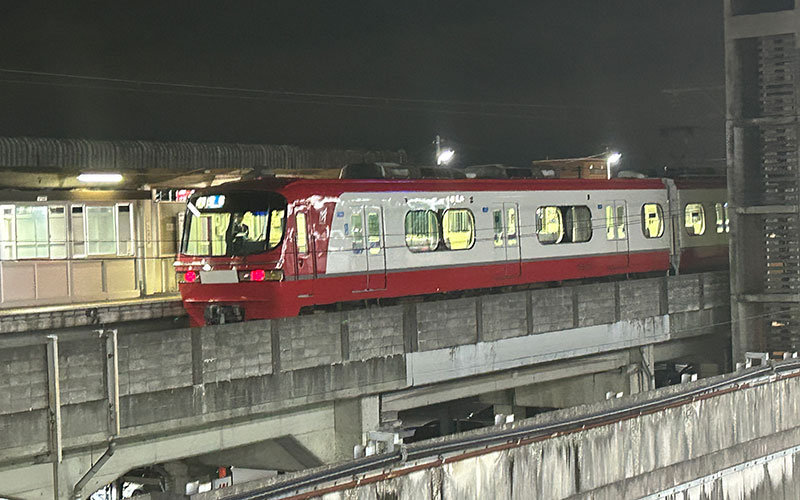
[611, 160]
[445, 156]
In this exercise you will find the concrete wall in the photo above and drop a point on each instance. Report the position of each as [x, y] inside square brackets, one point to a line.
[181, 381]
[741, 443]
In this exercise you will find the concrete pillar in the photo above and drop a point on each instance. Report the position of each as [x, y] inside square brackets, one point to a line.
[178, 476]
[352, 418]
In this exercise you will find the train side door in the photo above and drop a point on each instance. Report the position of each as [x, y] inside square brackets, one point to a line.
[368, 248]
[617, 230]
[304, 252]
[505, 223]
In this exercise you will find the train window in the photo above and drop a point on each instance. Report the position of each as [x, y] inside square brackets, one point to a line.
[611, 229]
[302, 235]
[124, 230]
[511, 226]
[422, 231]
[723, 222]
[497, 219]
[652, 220]
[374, 233]
[276, 225]
[357, 226]
[695, 219]
[100, 239]
[577, 224]
[621, 222]
[32, 232]
[549, 225]
[727, 219]
[57, 221]
[78, 232]
[8, 236]
[207, 234]
[459, 229]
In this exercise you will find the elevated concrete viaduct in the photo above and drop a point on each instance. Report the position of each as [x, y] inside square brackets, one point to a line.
[308, 388]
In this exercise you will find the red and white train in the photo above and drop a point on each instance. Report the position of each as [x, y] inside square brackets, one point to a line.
[269, 248]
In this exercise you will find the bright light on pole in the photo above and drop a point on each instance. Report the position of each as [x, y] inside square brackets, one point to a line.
[611, 160]
[445, 156]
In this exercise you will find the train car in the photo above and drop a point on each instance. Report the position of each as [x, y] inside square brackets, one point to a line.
[270, 248]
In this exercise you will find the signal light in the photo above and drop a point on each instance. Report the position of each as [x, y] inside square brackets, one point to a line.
[257, 275]
[190, 277]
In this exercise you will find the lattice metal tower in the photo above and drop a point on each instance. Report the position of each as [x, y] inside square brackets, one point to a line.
[762, 76]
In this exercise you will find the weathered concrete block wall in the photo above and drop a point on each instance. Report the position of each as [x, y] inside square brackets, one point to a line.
[171, 380]
[447, 323]
[630, 459]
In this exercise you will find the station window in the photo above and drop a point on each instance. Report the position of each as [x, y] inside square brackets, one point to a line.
[422, 230]
[459, 229]
[652, 220]
[78, 232]
[8, 235]
[57, 222]
[695, 219]
[124, 230]
[549, 225]
[32, 232]
[100, 238]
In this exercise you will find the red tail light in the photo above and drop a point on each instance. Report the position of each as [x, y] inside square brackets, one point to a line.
[257, 275]
[190, 277]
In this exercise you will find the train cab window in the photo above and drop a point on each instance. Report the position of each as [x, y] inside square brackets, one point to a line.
[723, 222]
[302, 235]
[422, 231]
[32, 240]
[652, 220]
[549, 225]
[459, 229]
[8, 236]
[276, 224]
[511, 226]
[695, 219]
[497, 223]
[57, 222]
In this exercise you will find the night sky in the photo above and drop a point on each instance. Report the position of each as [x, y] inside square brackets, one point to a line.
[502, 82]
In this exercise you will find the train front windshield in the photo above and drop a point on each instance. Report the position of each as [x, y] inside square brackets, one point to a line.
[233, 224]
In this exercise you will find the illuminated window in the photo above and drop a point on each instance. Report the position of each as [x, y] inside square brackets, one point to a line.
[374, 233]
[611, 229]
[652, 220]
[78, 224]
[621, 222]
[459, 229]
[124, 230]
[100, 230]
[276, 225]
[357, 225]
[577, 224]
[721, 211]
[549, 225]
[422, 231]
[32, 232]
[727, 219]
[8, 236]
[695, 219]
[511, 226]
[497, 220]
[207, 234]
[57, 222]
[302, 237]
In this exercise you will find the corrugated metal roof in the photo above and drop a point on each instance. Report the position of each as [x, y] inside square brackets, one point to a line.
[35, 152]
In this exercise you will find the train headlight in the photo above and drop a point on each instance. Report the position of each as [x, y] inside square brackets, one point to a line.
[261, 275]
